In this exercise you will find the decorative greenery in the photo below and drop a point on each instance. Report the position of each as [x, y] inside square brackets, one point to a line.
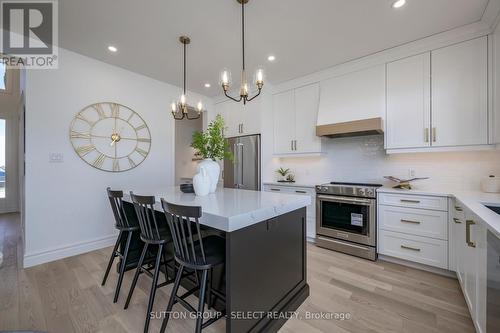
[290, 178]
[211, 143]
[283, 172]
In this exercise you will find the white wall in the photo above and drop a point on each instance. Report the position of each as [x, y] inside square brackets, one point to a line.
[67, 211]
[363, 159]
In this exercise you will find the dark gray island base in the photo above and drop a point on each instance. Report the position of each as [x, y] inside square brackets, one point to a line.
[265, 273]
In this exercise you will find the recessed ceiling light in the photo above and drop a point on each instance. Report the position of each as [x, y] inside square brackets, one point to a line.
[271, 58]
[207, 85]
[398, 3]
[112, 48]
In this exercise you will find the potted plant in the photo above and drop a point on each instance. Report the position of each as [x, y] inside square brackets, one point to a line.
[212, 146]
[283, 173]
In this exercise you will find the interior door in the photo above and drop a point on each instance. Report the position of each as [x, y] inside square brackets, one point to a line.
[306, 115]
[408, 102]
[284, 122]
[460, 94]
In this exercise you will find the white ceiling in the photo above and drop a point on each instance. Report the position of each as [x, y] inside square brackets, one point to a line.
[306, 35]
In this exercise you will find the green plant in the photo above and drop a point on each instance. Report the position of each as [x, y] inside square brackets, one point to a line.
[283, 172]
[211, 143]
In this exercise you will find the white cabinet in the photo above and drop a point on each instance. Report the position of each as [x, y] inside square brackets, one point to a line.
[295, 114]
[408, 102]
[310, 210]
[439, 99]
[353, 96]
[240, 119]
[460, 94]
[468, 246]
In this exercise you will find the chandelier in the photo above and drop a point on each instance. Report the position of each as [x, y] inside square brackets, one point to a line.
[225, 77]
[180, 108]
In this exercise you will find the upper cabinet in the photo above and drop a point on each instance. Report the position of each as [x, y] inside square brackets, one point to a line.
[295, 115]
[439, 99]
[460, 94]
[240, 119]
[408, 102]
[354, 96]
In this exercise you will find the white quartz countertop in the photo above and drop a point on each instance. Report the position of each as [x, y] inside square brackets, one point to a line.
[231, 209]
[475, 201]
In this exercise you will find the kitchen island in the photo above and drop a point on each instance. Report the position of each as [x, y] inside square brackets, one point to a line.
[264, 277]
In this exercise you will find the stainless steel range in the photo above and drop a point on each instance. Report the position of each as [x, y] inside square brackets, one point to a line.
[346, 218]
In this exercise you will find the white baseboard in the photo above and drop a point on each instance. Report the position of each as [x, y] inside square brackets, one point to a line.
[41, 257]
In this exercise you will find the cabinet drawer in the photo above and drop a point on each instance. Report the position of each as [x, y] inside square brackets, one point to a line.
[420, 222]
[414, 201]
[311, 209]
[427, 251]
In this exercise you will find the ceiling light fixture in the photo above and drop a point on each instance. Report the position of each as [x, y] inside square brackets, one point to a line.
[398, 4]
[225, 78]
[112, 48]
[207, 85]
[271, 58]
[180, 108]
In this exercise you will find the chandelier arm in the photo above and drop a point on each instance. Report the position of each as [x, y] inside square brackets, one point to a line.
[177, 118]
[258, 93]
[193, 118]
[234, 99]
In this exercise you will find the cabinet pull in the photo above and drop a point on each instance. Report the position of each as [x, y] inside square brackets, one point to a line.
[468, 223]
[275, 189]
[410, 248]
[291, 144]
[410, 221]
[434, 134]
[241, 128]
[426, 135]
[457, 221]
[295, 144]
[458, 209]
[410, 201]
[303, 192]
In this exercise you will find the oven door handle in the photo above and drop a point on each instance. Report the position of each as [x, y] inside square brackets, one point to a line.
[345, 199]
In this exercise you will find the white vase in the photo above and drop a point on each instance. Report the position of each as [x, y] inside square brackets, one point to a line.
[213, 171]
[202, 182]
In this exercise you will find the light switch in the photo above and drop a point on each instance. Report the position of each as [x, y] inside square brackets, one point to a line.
[56, 158]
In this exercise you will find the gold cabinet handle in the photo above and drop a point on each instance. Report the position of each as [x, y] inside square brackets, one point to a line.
[410, 221]
[410, 248]
[468, 223]
[426, 135]
[434, 134]
[410, 201]
[458, 209]
[457, 221]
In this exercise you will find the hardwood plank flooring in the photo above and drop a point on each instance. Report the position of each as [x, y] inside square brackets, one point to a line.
[66, 296]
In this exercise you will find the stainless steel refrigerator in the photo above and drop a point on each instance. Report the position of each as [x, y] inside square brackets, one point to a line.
[244, 172]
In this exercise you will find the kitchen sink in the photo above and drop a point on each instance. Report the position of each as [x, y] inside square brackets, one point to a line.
[496, 209]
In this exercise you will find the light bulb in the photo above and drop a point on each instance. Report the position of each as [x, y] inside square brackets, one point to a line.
[244, 89]
[225, 78]
[174, 107]
[259, 76]
[199, 106]
[183, 99]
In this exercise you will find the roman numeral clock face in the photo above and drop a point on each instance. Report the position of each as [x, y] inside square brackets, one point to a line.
[110, 137]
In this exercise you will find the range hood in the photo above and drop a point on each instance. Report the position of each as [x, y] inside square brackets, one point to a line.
[361, 127]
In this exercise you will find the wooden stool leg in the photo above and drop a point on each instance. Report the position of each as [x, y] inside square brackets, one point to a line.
[154, 286]
[122, 266]
[173, 295]
[112, 259]
[136, 276]
[201, 304]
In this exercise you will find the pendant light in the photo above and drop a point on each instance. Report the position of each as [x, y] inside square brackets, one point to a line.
[225, 77]
[180, 108]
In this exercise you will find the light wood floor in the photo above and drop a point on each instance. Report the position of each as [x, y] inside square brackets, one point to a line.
[65, 296]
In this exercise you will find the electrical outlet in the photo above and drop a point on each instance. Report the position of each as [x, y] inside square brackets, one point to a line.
[411, 173]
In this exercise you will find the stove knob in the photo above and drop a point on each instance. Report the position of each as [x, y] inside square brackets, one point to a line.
[361, 192]
[369, 193]
[324, 189]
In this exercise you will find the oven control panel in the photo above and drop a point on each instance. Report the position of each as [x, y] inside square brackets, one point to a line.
[350, 190]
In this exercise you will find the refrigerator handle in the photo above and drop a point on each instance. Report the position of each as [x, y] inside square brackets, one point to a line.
[235, 167]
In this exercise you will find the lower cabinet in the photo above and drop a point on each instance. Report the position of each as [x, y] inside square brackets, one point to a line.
[311, 209]
[468, 250]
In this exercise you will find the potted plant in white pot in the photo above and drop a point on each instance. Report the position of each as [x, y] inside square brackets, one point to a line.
[212, 146]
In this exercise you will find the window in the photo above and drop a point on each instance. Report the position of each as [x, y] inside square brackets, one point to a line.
[3, 77]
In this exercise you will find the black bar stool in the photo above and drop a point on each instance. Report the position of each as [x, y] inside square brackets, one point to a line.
[155, 235]
[192, 251]
[126, 227]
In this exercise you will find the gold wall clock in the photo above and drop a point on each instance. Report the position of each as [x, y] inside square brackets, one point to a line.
[110, 137]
